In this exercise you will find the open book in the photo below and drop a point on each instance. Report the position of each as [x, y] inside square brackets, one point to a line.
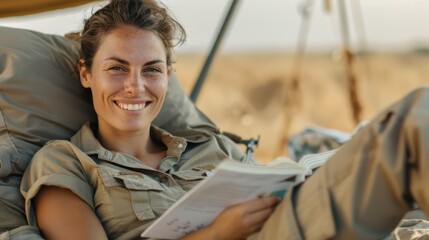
[230, 183]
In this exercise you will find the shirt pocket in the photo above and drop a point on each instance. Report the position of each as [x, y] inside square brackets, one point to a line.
[137, 188]
[189, 178]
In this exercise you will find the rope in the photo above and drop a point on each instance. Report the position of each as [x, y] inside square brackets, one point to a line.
[362, 38]
[349, 61]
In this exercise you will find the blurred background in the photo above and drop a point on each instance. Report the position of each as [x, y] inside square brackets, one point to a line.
[283, 65]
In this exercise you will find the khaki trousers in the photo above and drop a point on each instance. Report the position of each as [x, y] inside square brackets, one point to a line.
[364, 190]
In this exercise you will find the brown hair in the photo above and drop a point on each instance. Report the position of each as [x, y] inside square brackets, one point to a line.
[146, 14]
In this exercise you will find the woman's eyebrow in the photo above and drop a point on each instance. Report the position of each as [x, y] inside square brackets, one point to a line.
[154, 62]
[123, 61]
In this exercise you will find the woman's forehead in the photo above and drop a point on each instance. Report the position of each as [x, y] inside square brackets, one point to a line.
[131, 42]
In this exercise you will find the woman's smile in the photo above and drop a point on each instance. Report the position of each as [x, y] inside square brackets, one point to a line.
[133, 106]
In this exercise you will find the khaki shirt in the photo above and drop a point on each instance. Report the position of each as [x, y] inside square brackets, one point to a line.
[126, 195]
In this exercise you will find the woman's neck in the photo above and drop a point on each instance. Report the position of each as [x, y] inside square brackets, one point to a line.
[138, 144]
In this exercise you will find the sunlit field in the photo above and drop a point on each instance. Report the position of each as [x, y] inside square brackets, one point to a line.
[250, 94]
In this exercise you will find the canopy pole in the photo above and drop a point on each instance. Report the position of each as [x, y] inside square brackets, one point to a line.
[204, 71]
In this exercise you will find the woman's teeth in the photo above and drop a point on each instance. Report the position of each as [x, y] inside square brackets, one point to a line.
[131, 107]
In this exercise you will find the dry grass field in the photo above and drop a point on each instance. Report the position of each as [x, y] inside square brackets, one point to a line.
[247, 94]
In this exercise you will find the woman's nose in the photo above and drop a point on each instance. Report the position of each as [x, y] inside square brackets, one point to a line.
[135, 84]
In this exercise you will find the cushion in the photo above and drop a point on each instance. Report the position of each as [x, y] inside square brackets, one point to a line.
[41, 97]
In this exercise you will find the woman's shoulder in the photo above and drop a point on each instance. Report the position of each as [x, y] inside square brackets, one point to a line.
[58, 163]
[63, 147]
[58, 154]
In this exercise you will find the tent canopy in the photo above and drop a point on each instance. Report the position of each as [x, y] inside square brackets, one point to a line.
[25, 7]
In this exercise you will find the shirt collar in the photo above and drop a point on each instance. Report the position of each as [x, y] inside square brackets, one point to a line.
[89, 144]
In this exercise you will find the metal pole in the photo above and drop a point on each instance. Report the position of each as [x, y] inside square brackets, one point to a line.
[203, 74]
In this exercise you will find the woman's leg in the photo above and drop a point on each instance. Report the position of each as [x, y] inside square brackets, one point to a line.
[364, 190]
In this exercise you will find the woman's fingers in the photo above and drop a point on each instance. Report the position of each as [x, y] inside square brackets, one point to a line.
[257, 204]
[264, 202]
[256, 212]
[243, 219]
[260, 215]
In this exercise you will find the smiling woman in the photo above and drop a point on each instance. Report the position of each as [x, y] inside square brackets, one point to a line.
[119, 173]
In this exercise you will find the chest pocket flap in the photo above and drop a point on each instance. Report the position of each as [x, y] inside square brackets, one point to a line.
[129, 180]
[196, 173]
[138, 182]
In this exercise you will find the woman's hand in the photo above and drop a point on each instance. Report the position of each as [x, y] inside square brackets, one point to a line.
[238, 221]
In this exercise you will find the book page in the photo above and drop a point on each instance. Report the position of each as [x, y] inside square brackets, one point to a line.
[313, 161]
[228, 185]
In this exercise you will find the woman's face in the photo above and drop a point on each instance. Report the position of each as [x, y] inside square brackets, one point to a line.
[128, 79]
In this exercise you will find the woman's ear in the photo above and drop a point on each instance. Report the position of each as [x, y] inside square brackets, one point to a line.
[169, 71]
[84, 73]
[169, 74]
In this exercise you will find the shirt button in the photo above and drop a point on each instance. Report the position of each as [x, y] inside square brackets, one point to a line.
[164, 180]
[180, 146]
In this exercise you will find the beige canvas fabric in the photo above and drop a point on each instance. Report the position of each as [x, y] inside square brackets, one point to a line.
[24, 7]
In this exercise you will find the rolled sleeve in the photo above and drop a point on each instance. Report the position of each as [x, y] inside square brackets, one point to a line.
[55, 165]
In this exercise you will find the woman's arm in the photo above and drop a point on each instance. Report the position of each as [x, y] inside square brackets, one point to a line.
[238, 221]
[61, 214]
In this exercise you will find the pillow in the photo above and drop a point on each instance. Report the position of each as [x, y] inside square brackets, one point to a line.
[41, 97]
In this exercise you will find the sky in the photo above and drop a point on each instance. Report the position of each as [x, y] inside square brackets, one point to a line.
[274, 25]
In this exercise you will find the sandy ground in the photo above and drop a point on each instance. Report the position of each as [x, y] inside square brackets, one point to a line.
[250, 94]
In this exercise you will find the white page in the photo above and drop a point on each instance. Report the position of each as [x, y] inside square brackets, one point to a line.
[223, 188]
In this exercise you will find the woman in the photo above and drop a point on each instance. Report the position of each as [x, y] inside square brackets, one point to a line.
[114, 177]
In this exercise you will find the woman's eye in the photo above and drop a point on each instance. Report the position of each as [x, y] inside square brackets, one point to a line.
[152, 69]
[116, 68]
